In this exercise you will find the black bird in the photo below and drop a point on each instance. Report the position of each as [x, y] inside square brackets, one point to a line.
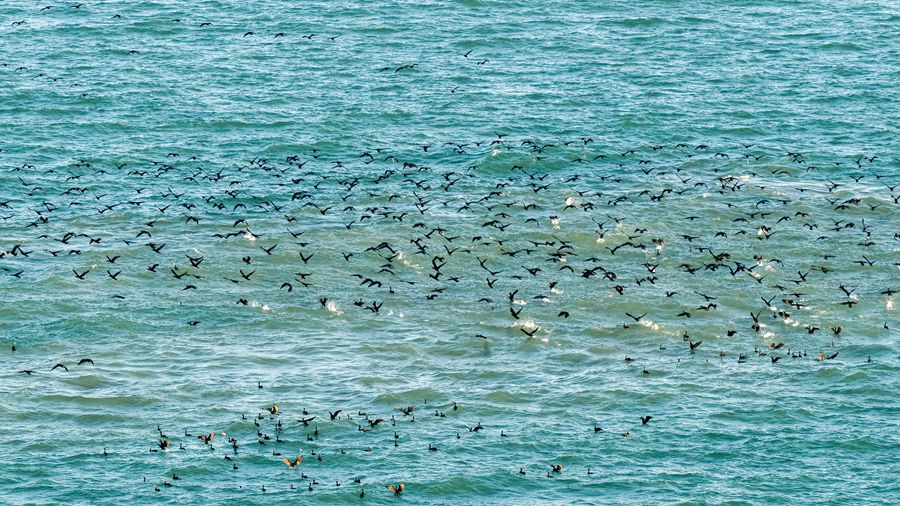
[636, 318]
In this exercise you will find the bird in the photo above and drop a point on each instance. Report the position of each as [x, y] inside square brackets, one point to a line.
[646, 419]
[292, 463]
[636, 318]
[60, 366]
[398, 489]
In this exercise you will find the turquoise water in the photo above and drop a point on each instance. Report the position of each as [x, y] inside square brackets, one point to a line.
[565, 191]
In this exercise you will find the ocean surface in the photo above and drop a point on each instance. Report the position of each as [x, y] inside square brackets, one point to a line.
[535, 223]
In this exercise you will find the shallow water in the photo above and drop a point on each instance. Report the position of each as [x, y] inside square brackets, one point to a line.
[272, 130]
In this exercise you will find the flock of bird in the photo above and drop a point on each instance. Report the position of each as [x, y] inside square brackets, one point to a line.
[753, 256]
[509, 231]
[32, 73]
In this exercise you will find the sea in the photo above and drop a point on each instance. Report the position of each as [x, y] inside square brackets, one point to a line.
[449, 252]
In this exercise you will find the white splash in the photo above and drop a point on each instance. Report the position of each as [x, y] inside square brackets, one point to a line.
[649, 324]
[525, 324]
[257, 305]
[332, 308]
